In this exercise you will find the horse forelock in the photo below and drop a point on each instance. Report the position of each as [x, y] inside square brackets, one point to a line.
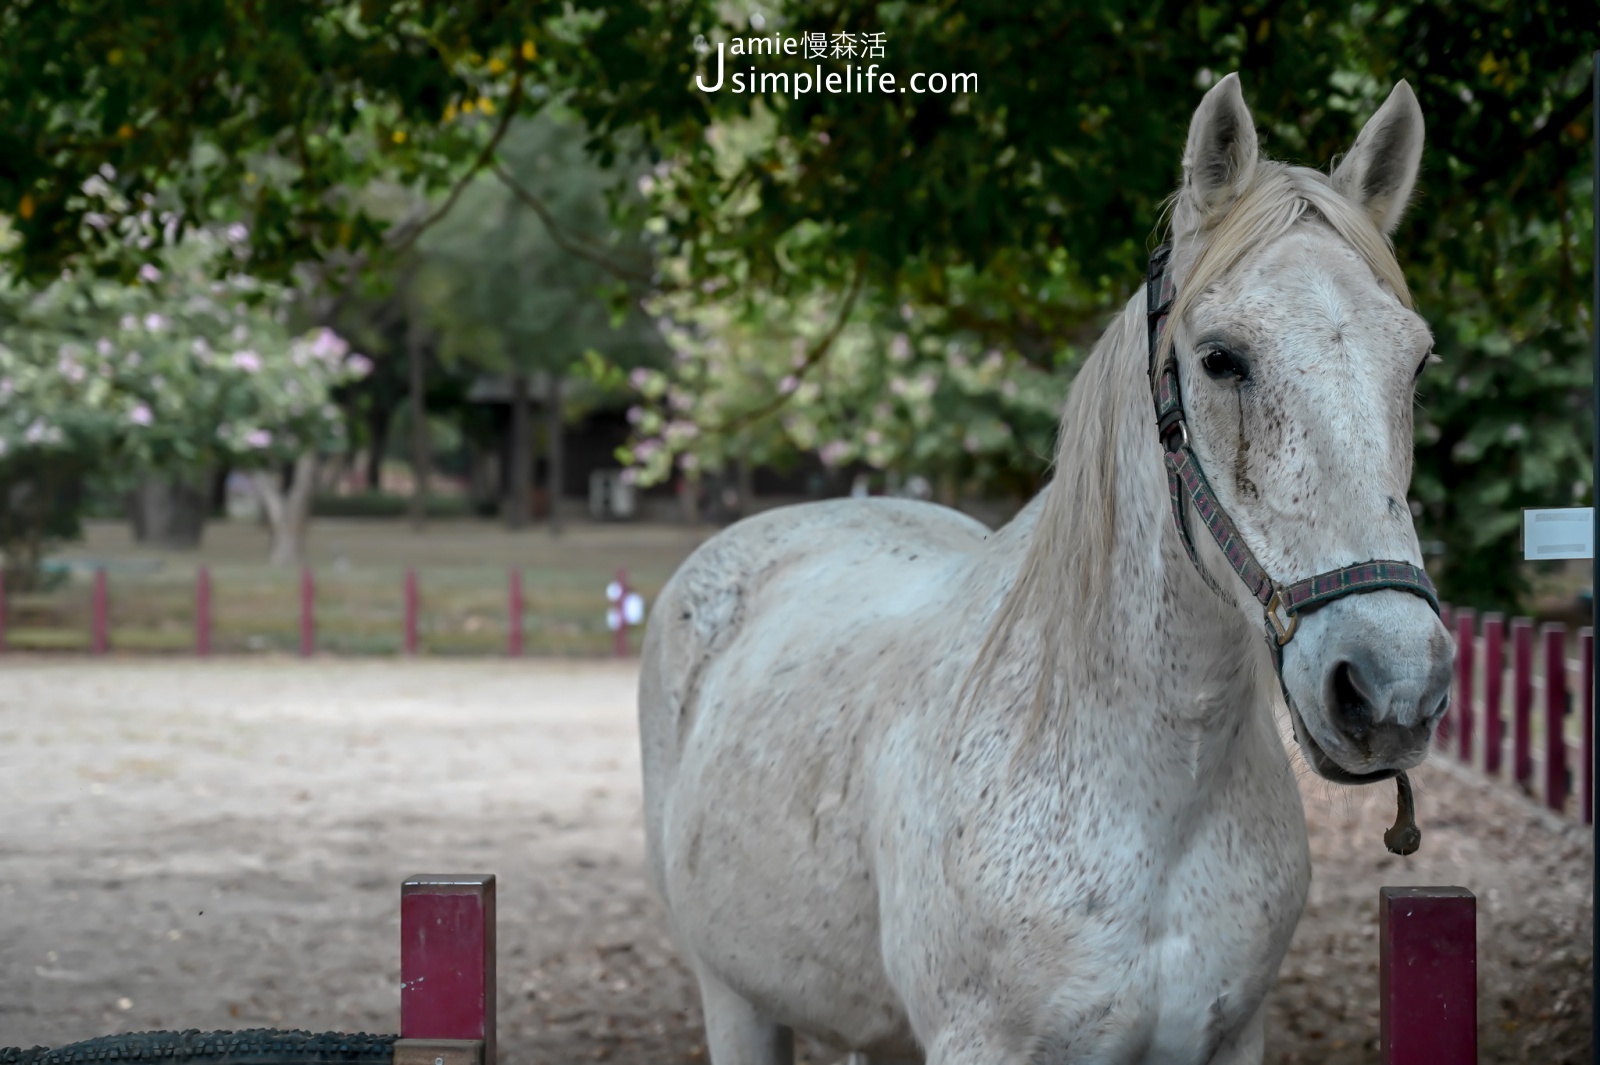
[1279, 196]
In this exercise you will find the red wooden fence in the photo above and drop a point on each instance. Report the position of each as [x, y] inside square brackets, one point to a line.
[1558, 769]
[100, 613]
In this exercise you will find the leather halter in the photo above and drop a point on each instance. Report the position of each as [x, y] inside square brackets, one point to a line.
[1186, 480]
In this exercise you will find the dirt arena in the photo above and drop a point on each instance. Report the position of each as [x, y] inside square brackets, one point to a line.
[220, 845]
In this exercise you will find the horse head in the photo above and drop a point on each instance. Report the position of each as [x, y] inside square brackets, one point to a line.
[1298, 352]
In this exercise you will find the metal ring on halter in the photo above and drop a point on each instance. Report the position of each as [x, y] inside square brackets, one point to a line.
[1285, 633]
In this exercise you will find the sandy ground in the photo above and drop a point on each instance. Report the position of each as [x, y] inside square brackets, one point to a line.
[221, 845]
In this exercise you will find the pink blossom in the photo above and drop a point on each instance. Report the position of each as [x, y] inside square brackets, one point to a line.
[104, 347]
[68, 365]
[629, 475]
[328, 346]
[788, 384]
[237, 233]
[900, 347]
[258, 438]
[155, 322]
[359, 365]
[248, 361]
[834, 452]
[639, 378]
[634, 415]
[128, 323]
[140, 415]
[149, 274]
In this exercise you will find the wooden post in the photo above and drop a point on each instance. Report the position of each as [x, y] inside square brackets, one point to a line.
[1586, 679]
[1521, 702]
[447, 961]
[411, 612]
[514, 615]
[202, 612]
[1463, 710]
[1428, 976]
[1555, 715]
[620, 641]
[308, 615]
[1494, 637]
[99, 614]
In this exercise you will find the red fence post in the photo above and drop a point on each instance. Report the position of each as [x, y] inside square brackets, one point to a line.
[1441, 732]
[1521, 702]
[621, 639]
[202, 612]
[1464, 710]
[1586, 678]
[1494, 636]
[1555, 715]
[99, 611]
[514, 615]
[308, 614]
[411, 612]
[1428, 976]
[447, 959]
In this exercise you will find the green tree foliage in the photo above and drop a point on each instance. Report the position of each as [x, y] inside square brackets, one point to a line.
[505, 286]
[1013, 215]
[177, 373]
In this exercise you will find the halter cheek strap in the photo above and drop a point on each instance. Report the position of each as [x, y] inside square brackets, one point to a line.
[1283, 605]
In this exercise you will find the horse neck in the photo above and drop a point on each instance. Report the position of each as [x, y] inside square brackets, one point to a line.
[1107, 614]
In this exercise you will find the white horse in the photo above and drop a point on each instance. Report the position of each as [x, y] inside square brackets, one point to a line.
[934, 793]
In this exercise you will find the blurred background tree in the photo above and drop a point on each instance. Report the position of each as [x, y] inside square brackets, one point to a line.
[823, 237]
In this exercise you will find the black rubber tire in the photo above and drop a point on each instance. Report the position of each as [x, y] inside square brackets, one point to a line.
[258, 1046]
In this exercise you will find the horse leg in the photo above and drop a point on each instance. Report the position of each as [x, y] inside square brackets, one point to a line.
[1248, 1045]
[736, 1033]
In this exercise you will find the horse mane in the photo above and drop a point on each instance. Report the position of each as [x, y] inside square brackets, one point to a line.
[1065, 576]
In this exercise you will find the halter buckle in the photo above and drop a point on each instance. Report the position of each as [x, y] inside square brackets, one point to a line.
[1284, 632]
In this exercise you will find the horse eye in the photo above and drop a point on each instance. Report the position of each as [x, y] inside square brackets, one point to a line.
[1423, 365]
[1220, 364]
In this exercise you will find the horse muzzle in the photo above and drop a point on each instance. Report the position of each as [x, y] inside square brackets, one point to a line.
[1375, 712]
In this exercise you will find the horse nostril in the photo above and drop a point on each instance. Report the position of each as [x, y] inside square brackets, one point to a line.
[1351, 704]
[1438, 711]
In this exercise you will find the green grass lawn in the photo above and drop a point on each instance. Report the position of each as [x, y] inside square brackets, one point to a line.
[359, 569]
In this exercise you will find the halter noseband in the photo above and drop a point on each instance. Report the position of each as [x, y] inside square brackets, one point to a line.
[1186, 479]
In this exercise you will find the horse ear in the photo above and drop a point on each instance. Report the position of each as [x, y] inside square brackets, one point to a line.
[1219, 159]
[1381, 169]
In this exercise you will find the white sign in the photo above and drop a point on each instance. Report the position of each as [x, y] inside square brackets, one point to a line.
[1563, 532]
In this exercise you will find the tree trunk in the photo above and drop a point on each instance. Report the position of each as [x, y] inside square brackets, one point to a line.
[519, 464]
[169, 511]
[745, 473]
[415, 350]
[555, 453]
[378, 442]
[288, 512]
